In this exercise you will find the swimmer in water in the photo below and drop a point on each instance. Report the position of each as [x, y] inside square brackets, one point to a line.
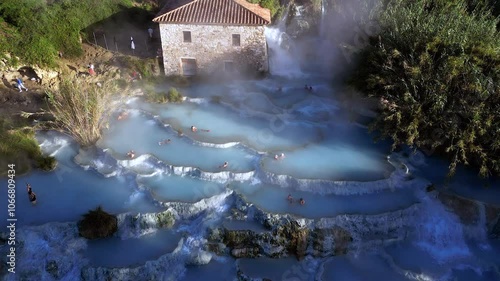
[31, 194]
[166, 141]
[302, 201]
[224, 165]
[123, 115]
[194, 129]
[289, 198]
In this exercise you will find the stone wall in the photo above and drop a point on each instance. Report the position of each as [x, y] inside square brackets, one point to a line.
[211, 45]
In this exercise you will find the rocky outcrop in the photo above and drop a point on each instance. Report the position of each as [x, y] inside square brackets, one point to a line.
[470, 211]
[135, 225]
[303, 19]
[331, 241]
[467, 210]
[291, 236]
[493, 221]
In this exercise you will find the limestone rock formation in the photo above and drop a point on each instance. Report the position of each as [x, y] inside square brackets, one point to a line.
[469, 211]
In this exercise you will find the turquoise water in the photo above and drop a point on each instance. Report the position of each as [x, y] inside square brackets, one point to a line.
[116, 252]
[274, 199]
[330, 161]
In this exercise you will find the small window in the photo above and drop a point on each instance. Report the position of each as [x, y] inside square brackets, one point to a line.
[236, 39]
[187, 36]
[228, 66]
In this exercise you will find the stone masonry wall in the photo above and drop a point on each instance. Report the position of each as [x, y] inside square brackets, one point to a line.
[211, 45]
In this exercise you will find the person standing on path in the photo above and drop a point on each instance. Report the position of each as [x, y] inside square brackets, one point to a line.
[20, 85]
[132, 45]
[150, 31]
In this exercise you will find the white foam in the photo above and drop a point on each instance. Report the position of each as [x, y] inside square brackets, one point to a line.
[51, 143]
[196, 100]
[216, 145]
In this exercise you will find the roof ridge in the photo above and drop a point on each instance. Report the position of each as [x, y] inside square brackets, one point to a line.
[242, 12]
[178, 8]
[239, 2]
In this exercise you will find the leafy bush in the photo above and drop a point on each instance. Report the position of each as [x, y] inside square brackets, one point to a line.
[435, 67]
[173, 95]
[273, 5]
[158, 97]
[46, 163]
[97, 224]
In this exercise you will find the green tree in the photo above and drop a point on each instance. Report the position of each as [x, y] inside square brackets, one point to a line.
[435, 69]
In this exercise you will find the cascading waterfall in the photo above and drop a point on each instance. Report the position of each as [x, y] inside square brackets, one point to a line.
[440, 232]
[282, 60]
[322, 19]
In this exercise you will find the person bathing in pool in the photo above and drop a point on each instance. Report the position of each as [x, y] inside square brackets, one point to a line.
[166, 141]
[223, 166]
[194, 129]
[31, 194]
[131, 154]
[279, 157]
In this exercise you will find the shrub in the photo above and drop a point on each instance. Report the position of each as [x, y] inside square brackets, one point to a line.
[173, 95]
[273, 5]
[19, 146]
[46, 163]
[81, 109]
[158, 97]
[97, 224]
[435, 68]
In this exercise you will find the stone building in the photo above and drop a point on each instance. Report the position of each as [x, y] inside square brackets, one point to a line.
[209, 36]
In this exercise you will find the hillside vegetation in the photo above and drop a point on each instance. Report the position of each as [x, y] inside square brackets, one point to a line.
[37, 30]
[435, 67]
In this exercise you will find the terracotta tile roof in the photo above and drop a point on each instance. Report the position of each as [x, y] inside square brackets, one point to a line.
[231, 12]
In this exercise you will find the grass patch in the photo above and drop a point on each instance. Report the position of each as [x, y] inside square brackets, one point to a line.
[18, 146]
[144, 66]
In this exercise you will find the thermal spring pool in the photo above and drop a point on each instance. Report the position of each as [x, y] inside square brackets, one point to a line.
[174, 199]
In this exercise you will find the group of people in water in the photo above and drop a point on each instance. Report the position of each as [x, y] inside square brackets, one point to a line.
[122, 115]
[131, 153]
[279, 157]
[306, 87]
[290, 199]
